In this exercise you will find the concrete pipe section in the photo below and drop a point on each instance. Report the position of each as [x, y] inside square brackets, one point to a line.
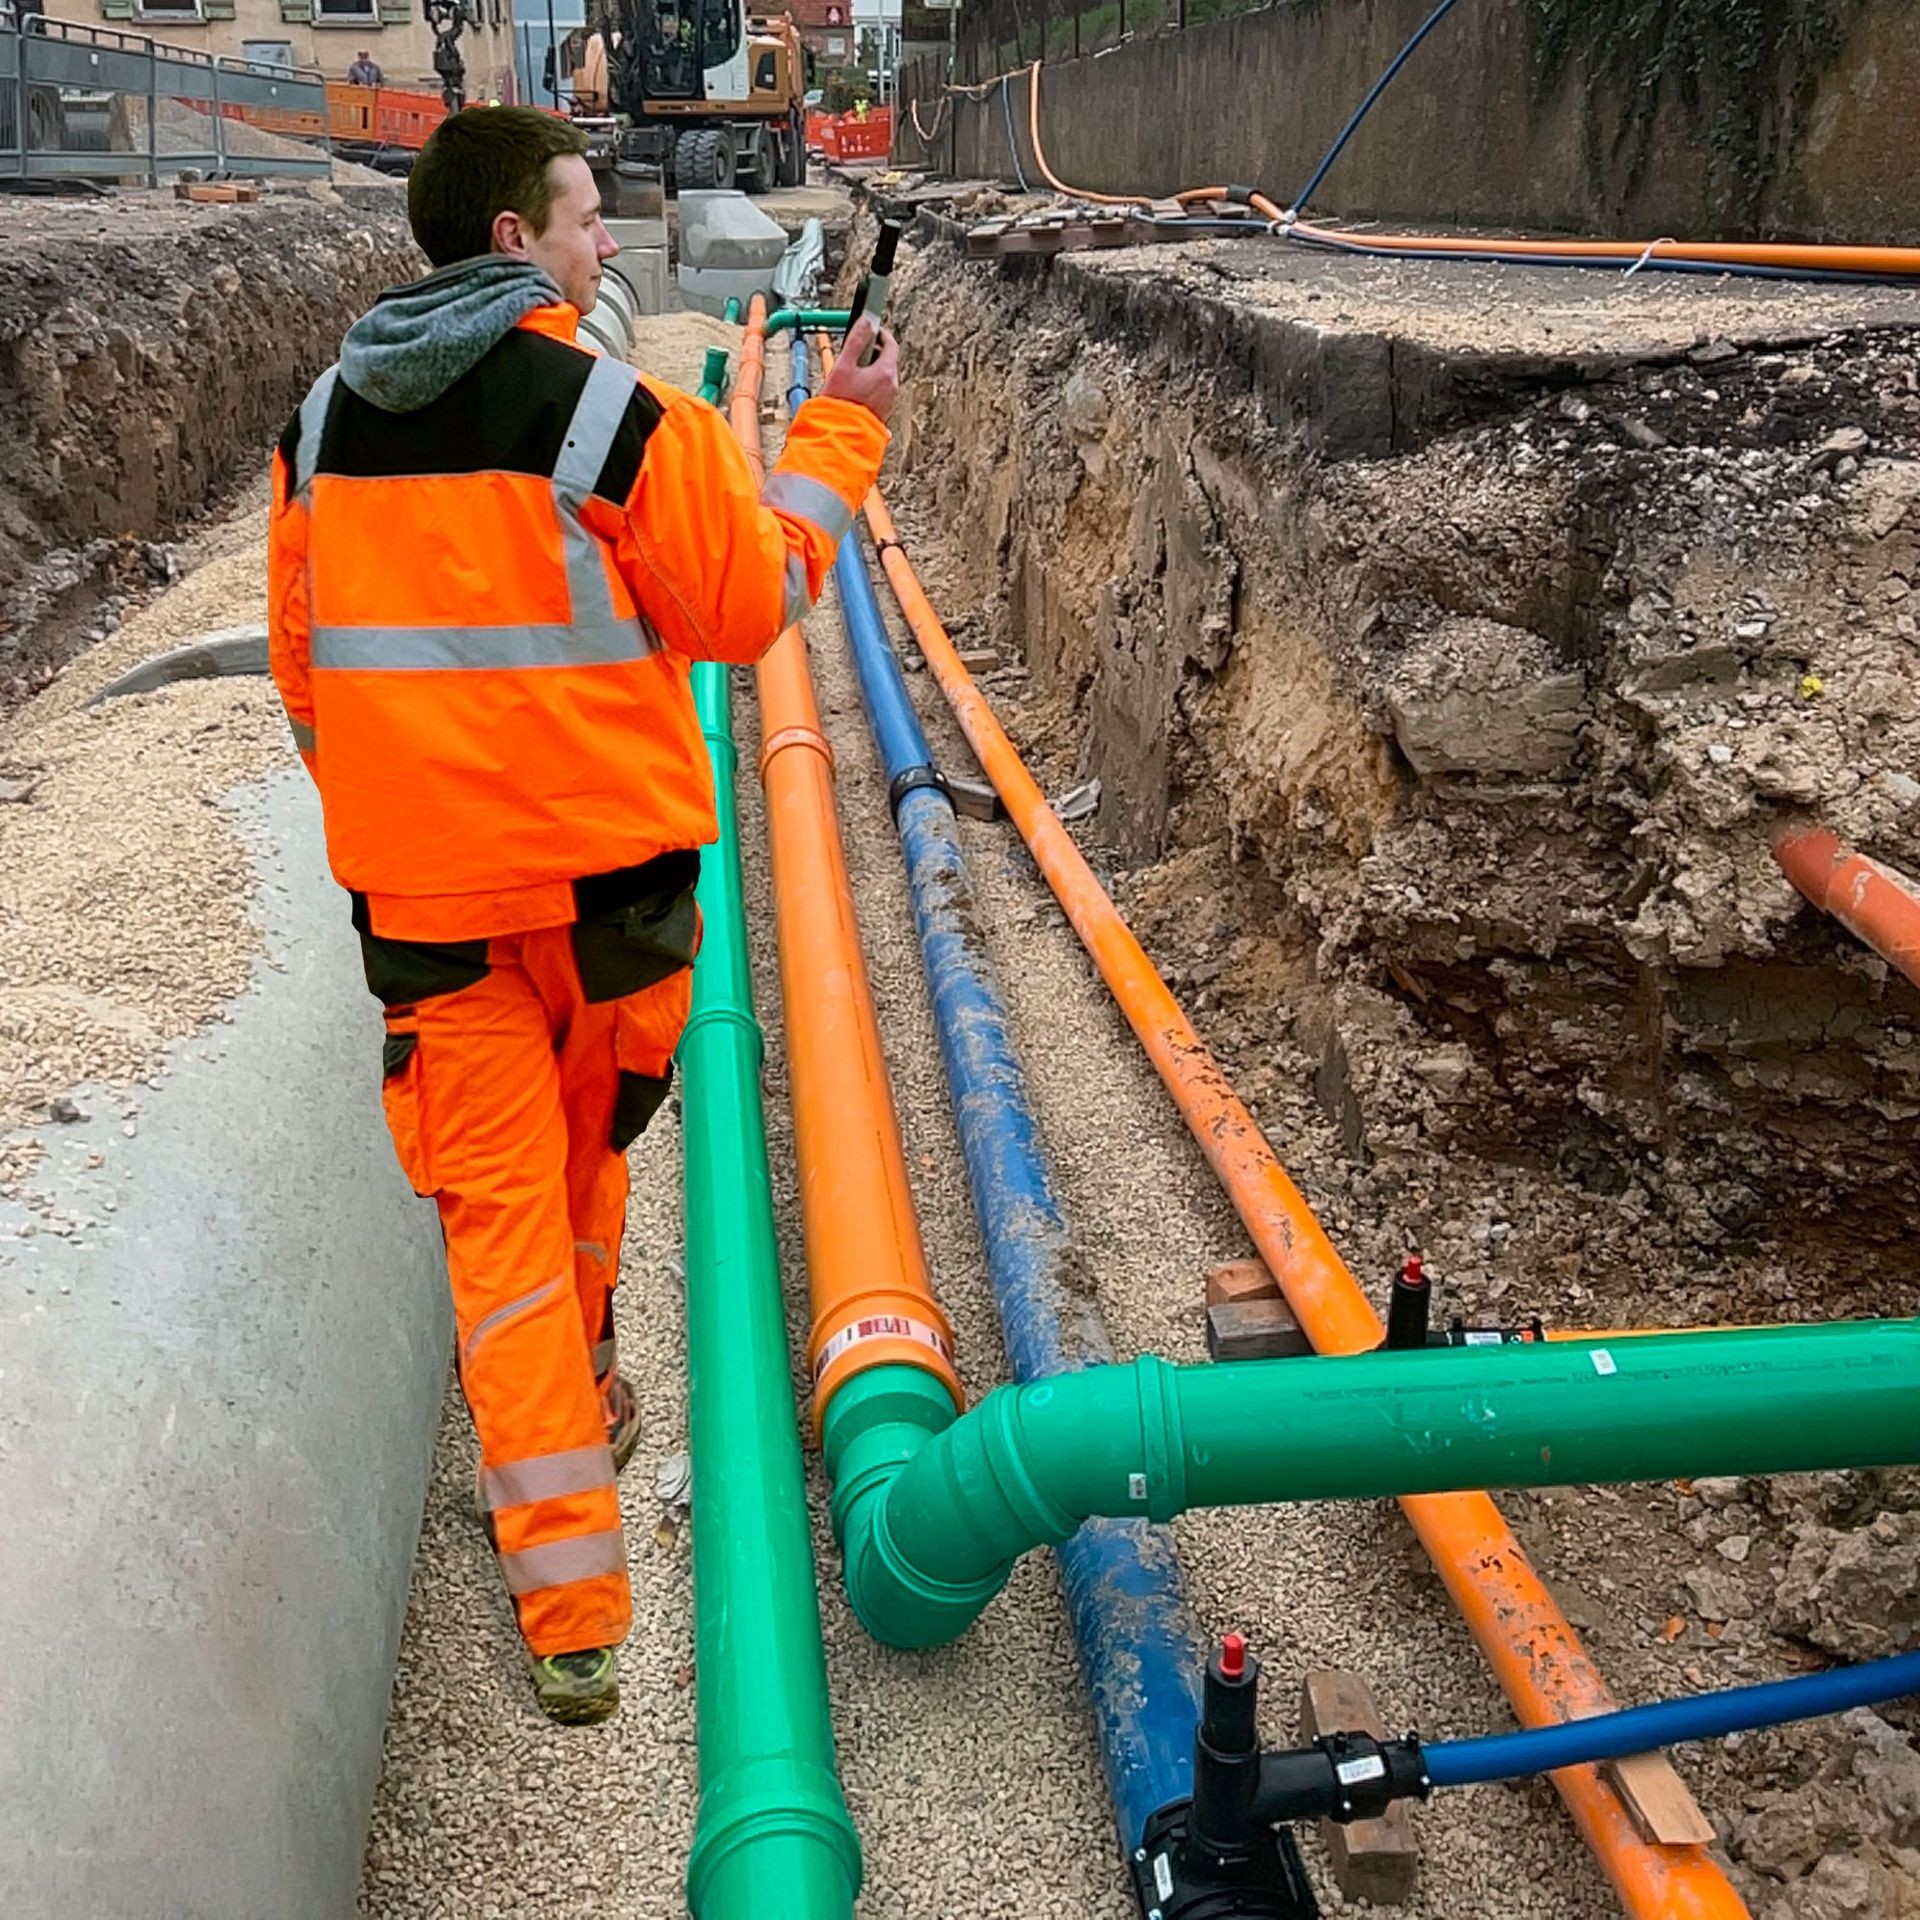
[216, 1414]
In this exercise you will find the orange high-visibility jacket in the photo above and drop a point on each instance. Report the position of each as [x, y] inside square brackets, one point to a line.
[482, 614]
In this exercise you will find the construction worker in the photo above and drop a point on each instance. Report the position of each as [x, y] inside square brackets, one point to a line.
[365, 71]
[493, 555]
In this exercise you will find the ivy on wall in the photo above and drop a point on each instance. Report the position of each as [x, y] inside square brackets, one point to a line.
[1740, 73]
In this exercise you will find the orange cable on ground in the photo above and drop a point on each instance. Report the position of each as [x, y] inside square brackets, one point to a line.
[866, 1269]
[1872, 902]
[1534, 1652]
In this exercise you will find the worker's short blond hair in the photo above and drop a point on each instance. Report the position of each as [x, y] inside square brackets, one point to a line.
[478, 164]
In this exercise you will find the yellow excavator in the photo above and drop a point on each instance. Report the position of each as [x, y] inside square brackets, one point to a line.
[699, 89]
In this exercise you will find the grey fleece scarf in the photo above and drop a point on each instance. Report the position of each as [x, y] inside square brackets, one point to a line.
[415, 341]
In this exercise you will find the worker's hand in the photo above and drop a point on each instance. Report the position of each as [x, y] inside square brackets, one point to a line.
[876, 387]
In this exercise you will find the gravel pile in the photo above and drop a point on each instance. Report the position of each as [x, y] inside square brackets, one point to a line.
[123, 880]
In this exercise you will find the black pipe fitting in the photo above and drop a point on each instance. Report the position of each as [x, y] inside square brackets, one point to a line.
[1342, 1777]
[1226, 1854]
[908, 779]
[1409, 1307]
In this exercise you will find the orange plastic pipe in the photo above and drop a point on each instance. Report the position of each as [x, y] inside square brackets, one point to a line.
[866, 1267]
[1872, 902]
[1535, 1653]
[1880, 262]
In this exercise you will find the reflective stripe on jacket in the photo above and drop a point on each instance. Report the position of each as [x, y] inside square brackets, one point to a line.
[482, 613]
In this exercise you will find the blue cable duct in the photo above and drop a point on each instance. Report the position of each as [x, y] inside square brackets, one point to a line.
[1702, 1716]
[1137, 1642]
[1365, 107]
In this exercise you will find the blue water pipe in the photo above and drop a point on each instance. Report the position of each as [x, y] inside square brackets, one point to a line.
[1137, 1642]
[1666, 1723]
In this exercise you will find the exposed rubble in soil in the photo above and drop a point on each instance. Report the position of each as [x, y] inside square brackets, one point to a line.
[146, 347]
[1440, 759]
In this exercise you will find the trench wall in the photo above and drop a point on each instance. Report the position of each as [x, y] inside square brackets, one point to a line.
[1463, 135]
[1487, 724]
[150, 353]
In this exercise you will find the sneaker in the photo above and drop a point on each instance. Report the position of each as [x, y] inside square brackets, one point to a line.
[576, 1689]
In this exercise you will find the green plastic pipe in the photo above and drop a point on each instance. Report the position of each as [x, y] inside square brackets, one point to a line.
[731, 311]
[713, 376]
[773, 1834]
[832, 319]
[928, 1544]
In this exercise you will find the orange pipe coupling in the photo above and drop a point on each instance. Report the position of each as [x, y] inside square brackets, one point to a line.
[872, 1301]
[1872, 902]
[1534, 1652]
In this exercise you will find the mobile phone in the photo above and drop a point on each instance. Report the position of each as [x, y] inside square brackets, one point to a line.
[872, 297]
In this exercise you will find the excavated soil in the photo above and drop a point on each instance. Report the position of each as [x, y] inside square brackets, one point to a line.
[1448, 650]
[150, 352]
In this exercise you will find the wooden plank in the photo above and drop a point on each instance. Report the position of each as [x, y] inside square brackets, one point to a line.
[1254, 1330]
[1373, 1860]
[1659, 1801]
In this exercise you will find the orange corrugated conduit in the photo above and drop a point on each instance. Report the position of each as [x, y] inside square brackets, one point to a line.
[1535, 1653]
[866, 1268]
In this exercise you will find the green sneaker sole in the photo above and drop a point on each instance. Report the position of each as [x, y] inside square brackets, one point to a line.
[575, 1701]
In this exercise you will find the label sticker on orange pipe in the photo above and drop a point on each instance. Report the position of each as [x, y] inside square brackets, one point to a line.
[882, 1326]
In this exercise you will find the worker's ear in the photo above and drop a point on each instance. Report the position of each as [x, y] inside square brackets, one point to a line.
[510, 234]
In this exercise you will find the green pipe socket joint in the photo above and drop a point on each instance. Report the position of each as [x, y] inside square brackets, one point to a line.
[713, 380]
[933, 1514]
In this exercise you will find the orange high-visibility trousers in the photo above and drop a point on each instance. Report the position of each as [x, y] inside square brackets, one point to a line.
[515, 1078]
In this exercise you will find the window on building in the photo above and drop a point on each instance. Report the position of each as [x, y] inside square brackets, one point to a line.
[836, 46]
[268, 53]
[167, 9]
[359, 11]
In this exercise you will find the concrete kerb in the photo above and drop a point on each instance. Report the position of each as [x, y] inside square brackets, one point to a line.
[217, 1403]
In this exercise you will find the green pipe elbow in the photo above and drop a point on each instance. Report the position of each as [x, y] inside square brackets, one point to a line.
[932, 1531]
[831, 319]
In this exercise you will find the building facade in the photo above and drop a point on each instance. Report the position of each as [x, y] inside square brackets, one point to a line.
[328, 34]
[826, 29]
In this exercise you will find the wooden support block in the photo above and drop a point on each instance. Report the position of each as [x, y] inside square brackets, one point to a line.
[1659, 1801]
[1240, 1280]
[1254, 1330]
[206, 193]
[979, 659]
[1373, 1860]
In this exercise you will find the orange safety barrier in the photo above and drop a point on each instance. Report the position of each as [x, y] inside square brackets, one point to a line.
[383, 116]
[845, 136]
[295, 123]
[873, 1303]
[1872, 902]
[1527, 1640]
